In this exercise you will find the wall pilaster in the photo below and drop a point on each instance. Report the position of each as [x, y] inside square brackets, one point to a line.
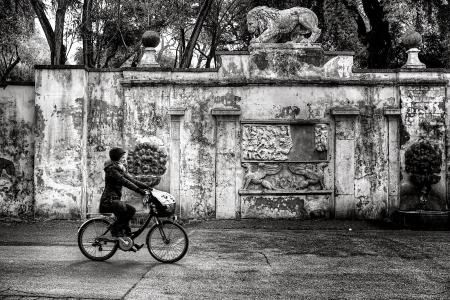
[227, 162]
[345, 119]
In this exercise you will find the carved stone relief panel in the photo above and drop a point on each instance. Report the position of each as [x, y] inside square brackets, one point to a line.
[266, 142]
[321, 137]
[284, 176]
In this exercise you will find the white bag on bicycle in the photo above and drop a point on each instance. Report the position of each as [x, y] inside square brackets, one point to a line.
[167, 202]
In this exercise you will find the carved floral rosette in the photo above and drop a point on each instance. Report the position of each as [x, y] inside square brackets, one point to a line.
[147, 162]
[266, 142]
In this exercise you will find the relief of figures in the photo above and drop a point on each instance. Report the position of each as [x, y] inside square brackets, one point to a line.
[321, 137]
[284, 176]
[256, 174]
[266, 142]
[313, 174]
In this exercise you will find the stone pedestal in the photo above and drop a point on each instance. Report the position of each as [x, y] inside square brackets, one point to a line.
[148, 59]
[285, 60]
[413, 61]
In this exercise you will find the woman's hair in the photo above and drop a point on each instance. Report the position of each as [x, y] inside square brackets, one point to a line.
[116, 153]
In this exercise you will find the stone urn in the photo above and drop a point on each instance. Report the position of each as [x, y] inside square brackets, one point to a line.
[413, 41]
[150, 40]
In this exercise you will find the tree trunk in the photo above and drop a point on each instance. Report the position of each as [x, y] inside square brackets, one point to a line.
[363, 15]
[181, 47]
[86, 33]
[46, 27]
[60, 55]
[9, 69]
[187, 55]
[212, 50]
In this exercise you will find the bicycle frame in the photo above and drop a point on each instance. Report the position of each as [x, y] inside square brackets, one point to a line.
[136, 233]
[96, 242]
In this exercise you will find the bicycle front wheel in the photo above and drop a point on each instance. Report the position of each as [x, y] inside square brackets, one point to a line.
[167, 242]
[95, 240]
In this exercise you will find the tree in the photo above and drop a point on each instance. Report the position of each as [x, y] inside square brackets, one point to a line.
[187, 55]
[221, 27]
[86, 34]
[54, 37]
[16, 27]
[111, 30]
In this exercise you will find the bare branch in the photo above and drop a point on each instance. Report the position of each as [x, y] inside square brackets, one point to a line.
[362, 13]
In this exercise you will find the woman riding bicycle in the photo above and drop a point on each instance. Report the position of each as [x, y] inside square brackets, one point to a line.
[116, 176]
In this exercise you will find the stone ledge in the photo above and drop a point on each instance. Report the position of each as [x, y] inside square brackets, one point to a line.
[285, 192]
[60, 67]
[339, 53]
[225, 112]
[344, 111]
[221, 53]
[17, 83]
[269, 82]
[398, 70]
[326, 161]
[285, 121]
[392, 112]
[284, 46]
[177, 111]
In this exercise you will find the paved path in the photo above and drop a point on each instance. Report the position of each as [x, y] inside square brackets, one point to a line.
[239, 263]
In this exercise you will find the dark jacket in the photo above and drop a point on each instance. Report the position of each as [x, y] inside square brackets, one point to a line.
[115, 179]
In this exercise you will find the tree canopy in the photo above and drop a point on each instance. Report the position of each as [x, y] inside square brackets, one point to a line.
[108, 32]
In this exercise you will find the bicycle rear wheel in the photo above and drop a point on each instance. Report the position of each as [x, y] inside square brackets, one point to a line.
[167, 242]
[94, 240]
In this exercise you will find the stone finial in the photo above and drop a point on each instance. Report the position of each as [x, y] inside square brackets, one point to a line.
[413, 41]
[270, 25]
[150, 40]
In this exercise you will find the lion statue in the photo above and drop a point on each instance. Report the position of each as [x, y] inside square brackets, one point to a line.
[270, 25]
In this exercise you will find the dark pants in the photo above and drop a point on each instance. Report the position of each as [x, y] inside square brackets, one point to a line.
[123, 212]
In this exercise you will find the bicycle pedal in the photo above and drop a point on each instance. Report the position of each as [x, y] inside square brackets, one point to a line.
[138, 247]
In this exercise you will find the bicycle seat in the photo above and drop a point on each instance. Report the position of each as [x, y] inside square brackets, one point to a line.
[96, 215]
[110, 215]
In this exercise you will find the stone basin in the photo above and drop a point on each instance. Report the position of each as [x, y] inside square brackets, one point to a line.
[423, 219]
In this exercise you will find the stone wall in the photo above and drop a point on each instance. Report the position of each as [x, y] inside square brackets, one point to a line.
[254, 138]
[60, 143]
[17, 150]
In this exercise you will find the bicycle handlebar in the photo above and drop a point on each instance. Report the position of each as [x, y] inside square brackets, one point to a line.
[146, 198]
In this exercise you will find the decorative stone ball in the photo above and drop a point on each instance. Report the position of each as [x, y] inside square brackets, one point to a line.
[150, 39]
[412, 39]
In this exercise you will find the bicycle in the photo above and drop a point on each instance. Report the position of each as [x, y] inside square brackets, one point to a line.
[170, 245]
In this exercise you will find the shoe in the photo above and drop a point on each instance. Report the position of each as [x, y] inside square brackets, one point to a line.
[138, 247]
[127, 231]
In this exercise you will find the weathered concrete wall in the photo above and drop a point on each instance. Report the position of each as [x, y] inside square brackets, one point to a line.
[60, 142]
[201, 139]
[16, 150]
[105, 123]
[251, 139]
